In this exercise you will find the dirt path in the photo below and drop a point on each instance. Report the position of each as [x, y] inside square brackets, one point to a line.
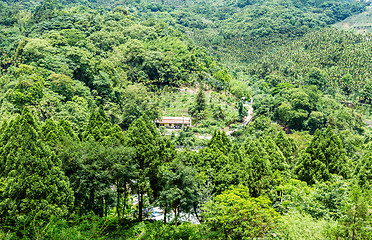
[247, 119]
[368, 122]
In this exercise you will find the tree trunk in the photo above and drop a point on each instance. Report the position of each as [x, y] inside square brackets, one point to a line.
[118, 201]
[140, 204]
[176, 214]
[165, 215]
[125, 199]
[354, 220]
[196, 213]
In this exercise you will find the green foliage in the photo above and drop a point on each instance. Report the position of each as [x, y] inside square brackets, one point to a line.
[240, 89]
[220, 142]
[81, 228]
[180, 192]
[324, 156]
[286, 145]
[237, 32]
[242, 110]
[28, 91]
[151, 151]
[261, 179]
[54, 133]
[277, 160]
[322, 200]
[295, 225]
[62, 85]
[363, 171]
[26, 159]
[64, 59]
[185, 138]
[356, 221]
[159, 230]
[333, 60]
[134, 101]
[92, 169]
[100, 129]
[236, 215]
[200, 105]
[366, 92]
[107, 58]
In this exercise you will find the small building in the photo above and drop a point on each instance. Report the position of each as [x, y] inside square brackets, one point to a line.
[174, 122]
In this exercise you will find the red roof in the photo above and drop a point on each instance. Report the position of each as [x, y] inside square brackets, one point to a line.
[175, 120]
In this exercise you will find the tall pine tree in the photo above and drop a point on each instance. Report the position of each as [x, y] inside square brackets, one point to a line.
[324, 156]
[101, 129]
[261, 172]
[33, 186]
[144, 137]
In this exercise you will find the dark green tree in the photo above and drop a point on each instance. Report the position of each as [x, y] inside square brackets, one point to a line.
[286, 145]
[144, 137]
[242, 111]
[311, 166]
[87, 164]
[220, 141]
[324, 156]
[242, 170]
[33, 184]
[335, 154]
[122, 172]
[261, 172]
[200, 104]
[100, 129]
[180, 190]
[277, 160]
[363, 171]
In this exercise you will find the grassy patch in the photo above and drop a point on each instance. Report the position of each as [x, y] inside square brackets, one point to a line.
[221, 108]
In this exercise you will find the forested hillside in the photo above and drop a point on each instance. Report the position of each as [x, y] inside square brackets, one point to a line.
[278, 145]
[360, 23]
[68, 61]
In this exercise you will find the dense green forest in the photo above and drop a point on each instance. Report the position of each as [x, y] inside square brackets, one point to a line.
[280, 143]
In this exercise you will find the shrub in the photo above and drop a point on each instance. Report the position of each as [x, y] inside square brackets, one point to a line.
[299, 226]
[238, 216]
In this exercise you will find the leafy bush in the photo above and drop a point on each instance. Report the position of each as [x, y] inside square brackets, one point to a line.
[159, 230]
[322, 200]
[299, 226]
[236, 215]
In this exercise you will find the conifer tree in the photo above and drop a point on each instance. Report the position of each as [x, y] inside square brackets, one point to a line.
[34, 186]
[324, 156]
[261, 173]
[95, 164]
[220, 141]
[311, 166]
[148, 144]
[286, 145]
[242, 111]
[335, 154]
[277, 161]
[66, 129]
[363, 170]
[200, 103]
[51, 133]
[242, 165]
[100, 128]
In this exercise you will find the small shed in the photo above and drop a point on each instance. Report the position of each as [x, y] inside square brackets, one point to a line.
[174, 122]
